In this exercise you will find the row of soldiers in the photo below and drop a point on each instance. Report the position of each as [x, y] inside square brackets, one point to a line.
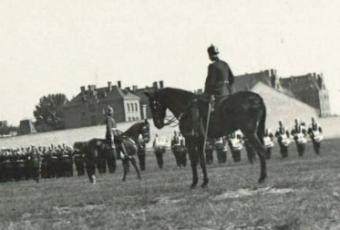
[236, 142]
[299, 132]
[35, 162]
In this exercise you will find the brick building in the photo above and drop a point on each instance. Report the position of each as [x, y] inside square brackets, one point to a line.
[88, 107]
[3, 124]
[129, 104]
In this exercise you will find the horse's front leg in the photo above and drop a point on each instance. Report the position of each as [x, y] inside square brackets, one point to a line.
[125, 163]
[134, 164]
[202, 163]
[193, 155]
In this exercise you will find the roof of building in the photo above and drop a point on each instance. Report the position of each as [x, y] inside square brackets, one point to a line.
[302, 82]
[278, 104]
[248, 81]
[102, 94]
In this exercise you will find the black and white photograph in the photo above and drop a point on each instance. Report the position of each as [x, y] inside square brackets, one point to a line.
[170, 115]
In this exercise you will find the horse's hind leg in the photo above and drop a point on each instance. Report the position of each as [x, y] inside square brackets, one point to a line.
[134, 164]
[261, 151]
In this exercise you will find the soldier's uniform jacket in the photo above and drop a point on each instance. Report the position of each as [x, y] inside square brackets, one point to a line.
[299, 132]
[219, 78]
[110, 124]
[282, 136]
[175, 141]
[315, 132]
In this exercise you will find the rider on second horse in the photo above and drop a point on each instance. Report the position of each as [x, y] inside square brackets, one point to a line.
[112, 134]
[110, 124]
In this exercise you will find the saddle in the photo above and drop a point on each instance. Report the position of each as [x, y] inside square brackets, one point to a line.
[200, 108]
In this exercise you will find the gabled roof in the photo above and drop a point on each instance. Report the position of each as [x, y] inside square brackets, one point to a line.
[103, 94]
[283, 107]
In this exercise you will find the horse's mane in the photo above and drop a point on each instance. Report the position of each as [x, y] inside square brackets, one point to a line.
[176, 95]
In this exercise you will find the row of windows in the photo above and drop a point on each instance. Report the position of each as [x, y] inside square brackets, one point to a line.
[132, 107]
[133, 118]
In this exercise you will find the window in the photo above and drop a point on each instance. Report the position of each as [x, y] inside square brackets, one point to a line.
[136, 107]
[128, 107]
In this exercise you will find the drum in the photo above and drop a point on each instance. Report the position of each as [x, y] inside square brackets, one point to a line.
[317, 137]
[300, 138]
[285, 141]
[268, 142]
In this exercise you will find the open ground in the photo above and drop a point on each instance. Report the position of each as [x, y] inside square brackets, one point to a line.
[300, 193]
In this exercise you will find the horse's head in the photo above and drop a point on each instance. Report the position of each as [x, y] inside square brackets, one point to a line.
[158, 110]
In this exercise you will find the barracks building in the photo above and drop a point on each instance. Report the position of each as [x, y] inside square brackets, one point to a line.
[88, 107]
[295, 96]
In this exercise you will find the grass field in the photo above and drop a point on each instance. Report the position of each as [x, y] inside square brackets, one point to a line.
[300, 193]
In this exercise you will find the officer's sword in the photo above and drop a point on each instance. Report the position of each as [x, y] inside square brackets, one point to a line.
[207, 126]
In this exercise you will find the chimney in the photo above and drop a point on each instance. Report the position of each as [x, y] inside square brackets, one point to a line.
[127, 89]
[134, 88]
[119, 84]
[82, 89]
[89, 87]
[273, 81]
[155, 85]
[161, 84]
[109, 86]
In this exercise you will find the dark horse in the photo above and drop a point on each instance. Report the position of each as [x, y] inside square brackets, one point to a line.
[243, 110]
[95, 148]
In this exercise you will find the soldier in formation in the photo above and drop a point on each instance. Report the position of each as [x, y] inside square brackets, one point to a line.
[36, 162]
[315, 133]
[299, 133]
[221, 149]
[209, 151]
[268, 141]
[282, 136]
[235, 142]
[159, 147]
[178, 149]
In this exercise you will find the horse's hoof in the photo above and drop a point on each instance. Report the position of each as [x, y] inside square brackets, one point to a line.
[193, 185]
[205, 183]
[262, 179]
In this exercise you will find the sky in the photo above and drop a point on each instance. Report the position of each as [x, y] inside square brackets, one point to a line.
[59, 45]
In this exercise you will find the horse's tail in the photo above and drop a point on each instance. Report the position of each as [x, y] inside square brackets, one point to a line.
[262, 124]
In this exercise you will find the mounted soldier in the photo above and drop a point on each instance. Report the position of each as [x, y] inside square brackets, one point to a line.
[110, 124]
[218, 84]
[220, 77]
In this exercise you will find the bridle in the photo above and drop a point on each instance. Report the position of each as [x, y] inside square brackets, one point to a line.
[170, 122]
[173, 121]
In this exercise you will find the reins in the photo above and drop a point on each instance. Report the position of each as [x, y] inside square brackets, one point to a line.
[173, 119]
